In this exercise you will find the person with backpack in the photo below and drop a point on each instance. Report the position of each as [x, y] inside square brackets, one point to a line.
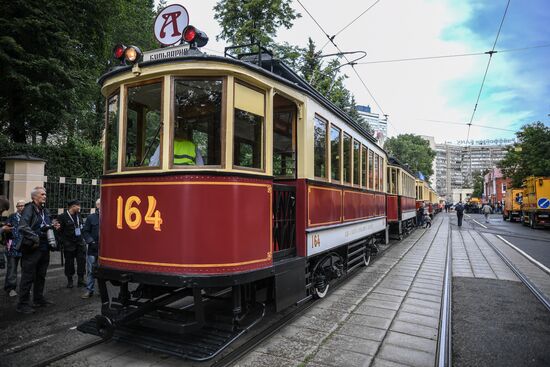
[459, 212]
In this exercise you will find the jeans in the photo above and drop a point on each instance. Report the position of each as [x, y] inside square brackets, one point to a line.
[34, 266]
[90, 280]
[11, 273]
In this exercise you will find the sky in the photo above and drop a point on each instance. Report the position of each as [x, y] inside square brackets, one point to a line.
[434, 97]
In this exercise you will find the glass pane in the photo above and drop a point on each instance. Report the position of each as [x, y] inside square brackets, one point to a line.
[284, 142]
[365, 166]
[335, 153]
[320, 148]
[371, 169]
[395, 180]
[347, 158]
[197, 127]
[356, 166]
[247, 142]
[376, 182]
[381, 173]
[111, 134]
[143, 125]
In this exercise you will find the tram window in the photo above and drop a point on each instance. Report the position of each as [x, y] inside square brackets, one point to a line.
[284, 137]
[381, 173]
[356, 160]
[335, 145]
[347, 158]
[376, 173]
[320, 147]
[197, 122]
[111, 134]
[371, 169]
[365, 172]
[143, 125]
[248, 127]
[393, 180]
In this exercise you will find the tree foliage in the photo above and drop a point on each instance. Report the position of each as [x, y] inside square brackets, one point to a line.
[478, 178]
[530, 155]
[253, 21]
[51, 54]
[413, 151]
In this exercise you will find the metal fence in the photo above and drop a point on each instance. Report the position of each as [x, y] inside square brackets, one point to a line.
[61, 190]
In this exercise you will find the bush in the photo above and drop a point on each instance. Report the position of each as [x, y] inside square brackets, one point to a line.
[77, 158]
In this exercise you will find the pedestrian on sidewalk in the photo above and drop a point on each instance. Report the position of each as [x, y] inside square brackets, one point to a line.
[73, 244]
[486, 210]
[420, 216]
[13, 255]
[91, 236]
[427, 220]
[459, 208]
[33, 226]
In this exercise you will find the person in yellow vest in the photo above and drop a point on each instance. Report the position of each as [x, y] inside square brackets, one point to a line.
[186, 153]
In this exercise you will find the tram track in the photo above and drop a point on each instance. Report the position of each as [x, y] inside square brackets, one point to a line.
[524, 279]
[255, 339]
[242, 350]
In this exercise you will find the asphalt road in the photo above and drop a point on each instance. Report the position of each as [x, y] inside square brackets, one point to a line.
[534, 242]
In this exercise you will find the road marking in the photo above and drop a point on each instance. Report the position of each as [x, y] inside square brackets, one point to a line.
[72, 328]
[525, 254]
[479, 223]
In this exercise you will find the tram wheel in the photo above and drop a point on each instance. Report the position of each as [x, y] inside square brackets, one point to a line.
[367, 257]
[321, 292]
[531, 221]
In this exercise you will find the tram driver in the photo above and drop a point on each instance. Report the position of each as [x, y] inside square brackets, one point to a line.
[186, 152]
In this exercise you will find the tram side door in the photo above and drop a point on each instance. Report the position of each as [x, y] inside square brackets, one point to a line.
[284, 173]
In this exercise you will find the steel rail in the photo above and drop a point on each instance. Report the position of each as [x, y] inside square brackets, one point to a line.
[444, 343]
[63, 355]
[532, 287]
[232, 357]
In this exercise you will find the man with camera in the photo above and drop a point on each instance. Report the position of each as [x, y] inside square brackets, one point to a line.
[73, 244]
[35, 229]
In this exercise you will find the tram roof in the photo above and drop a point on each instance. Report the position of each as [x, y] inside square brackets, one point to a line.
[395, 162]
[273, 68]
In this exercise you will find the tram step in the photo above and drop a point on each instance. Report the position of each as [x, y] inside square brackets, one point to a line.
[200, 345]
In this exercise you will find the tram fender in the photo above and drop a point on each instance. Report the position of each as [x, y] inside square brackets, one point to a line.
[290, 282]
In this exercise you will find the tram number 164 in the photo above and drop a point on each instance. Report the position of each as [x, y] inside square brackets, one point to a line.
[132, 216]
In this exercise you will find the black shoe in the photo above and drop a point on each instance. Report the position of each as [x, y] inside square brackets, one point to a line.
[80, 283]
[26, 309]
[42, 303]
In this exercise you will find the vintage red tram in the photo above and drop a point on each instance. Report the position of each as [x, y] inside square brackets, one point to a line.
[230, 183]
[400, 199]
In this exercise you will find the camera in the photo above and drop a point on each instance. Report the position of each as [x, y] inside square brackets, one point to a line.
[50, 236]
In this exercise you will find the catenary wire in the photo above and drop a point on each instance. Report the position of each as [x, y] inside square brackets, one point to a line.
[487, 70]
[419, 58]
[462, 124]
[349, 24]
[347, 60]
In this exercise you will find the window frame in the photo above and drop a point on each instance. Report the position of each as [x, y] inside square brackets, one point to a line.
[223, 121]
[295, 110]
[364, 166]
[106, 147]
[345, 136]
[124, 112]
[340, 153]
[264, 129]
[327, 146]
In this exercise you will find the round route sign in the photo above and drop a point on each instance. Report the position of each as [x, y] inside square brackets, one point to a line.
[169, 24]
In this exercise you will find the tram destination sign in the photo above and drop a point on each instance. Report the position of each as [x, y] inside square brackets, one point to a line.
[165, 53]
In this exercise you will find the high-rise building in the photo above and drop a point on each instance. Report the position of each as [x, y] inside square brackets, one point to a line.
[377, 123]
[456, 164]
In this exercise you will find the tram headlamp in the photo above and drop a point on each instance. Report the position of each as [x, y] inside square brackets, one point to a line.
[118, 51]
[195, 37]
[132, 54]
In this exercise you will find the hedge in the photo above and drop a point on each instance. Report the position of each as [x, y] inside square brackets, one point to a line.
[76, 158]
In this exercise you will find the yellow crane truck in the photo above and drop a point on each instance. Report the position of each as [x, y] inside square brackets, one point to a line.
[536, 202]
[512, 204]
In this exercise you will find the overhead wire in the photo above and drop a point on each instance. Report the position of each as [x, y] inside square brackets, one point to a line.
[487, 70]
[331, 40]
[462, 124]
[349, 24]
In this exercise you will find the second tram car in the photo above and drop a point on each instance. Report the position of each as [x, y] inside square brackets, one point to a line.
[400, 199]
[230, 183]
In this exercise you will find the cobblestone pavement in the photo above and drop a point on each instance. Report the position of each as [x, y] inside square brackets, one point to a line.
[388, 315]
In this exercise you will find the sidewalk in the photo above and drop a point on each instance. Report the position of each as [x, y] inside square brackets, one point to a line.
[387, 315]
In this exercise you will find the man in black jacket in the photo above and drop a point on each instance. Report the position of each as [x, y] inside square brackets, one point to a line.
[91, 236]
[73, 246]
[459, 213]
[36, 255]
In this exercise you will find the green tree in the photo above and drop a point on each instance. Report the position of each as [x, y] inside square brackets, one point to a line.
[253, 21]
[478, 180]
[529, 156]
[412, 150]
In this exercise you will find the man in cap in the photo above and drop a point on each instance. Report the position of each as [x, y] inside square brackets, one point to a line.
[72, 242]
